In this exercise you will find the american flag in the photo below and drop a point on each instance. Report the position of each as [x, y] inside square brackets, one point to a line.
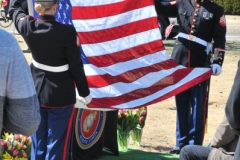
[124, 57]
[168, 30]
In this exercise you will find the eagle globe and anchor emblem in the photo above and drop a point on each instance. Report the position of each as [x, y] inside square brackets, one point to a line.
[89, 127]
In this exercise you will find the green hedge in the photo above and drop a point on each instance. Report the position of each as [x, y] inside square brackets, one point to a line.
[231, 7]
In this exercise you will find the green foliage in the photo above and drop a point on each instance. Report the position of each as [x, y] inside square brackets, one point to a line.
[231, 7]
[236, 8]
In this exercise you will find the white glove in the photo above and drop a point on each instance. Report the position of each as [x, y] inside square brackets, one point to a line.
[83, 101]
[216, 69]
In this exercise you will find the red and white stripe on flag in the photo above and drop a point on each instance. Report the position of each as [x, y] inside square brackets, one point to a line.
[128, 64]
[168, 30]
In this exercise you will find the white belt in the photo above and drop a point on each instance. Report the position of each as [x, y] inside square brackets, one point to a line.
[50, 68]
[208, 45]
[193, 38]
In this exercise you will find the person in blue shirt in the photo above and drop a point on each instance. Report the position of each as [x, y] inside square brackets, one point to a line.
[19, 106]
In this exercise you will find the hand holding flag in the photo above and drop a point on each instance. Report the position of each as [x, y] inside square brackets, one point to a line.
[168, 30]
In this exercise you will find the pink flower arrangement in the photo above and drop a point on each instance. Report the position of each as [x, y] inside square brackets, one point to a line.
[15, 146]
[142, 115]
[129, 119]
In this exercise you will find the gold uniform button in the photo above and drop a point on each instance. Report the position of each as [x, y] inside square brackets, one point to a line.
[192, 31]
[193, 26]
[194, 20]
[195, 14]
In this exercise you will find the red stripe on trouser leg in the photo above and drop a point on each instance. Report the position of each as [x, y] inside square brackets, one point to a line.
[69, 130]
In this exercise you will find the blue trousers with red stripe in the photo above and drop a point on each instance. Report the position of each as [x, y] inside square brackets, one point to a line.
[52, 139]
[191, 115]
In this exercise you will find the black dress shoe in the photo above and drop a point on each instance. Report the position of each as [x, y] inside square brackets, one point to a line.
[175, 150]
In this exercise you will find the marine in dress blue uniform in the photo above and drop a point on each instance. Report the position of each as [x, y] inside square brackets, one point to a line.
[200, 43]
[56, 69]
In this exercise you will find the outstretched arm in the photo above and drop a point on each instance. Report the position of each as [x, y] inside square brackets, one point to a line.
[17, 14]
[166, 9]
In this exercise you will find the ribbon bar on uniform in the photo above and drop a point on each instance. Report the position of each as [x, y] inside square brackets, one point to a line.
[193, 38]
[50, 68]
